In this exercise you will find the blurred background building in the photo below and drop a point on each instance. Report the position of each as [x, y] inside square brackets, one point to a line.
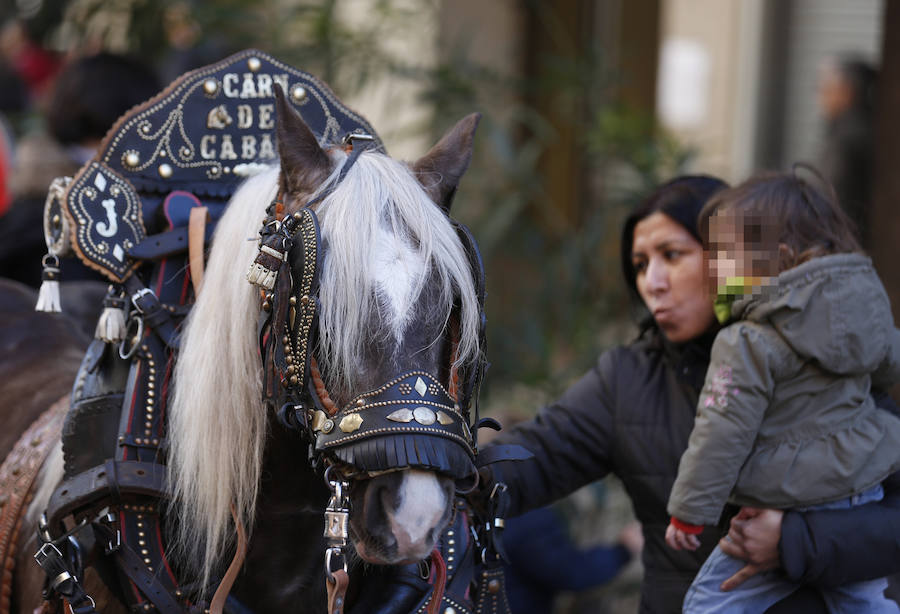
[587, 105]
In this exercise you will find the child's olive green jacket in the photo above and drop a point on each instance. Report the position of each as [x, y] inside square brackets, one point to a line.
[785, 418]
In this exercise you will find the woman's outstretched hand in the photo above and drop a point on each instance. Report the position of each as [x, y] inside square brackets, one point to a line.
[753, 537]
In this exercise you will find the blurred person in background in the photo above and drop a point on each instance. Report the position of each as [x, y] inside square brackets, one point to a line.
[632, 414]
[88, 96]
[847, 103]
[34, 64]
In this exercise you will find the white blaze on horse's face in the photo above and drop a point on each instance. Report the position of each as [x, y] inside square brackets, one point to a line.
[398, 269]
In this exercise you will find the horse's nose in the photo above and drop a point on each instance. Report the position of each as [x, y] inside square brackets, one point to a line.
[422, 506]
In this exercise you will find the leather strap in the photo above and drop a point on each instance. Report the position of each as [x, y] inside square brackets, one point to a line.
[197, 224]
[165, 244]
[156, 317]
[145, 580]
[221, 595]
[337, 591]
[508, 452]
[439, 569]
[18, 477]
[104, 483]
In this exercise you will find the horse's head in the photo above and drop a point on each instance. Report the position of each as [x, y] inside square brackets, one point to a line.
[399, 319]
[389, 357]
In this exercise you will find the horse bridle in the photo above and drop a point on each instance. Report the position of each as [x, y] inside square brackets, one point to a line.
[396, 425]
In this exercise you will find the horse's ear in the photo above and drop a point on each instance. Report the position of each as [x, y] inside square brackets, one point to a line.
[304, 165]
[440, 170]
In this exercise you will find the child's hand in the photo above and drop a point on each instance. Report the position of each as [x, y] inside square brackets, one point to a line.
[680, 540]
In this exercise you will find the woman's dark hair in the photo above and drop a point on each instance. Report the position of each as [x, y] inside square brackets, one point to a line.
[783, 208]
[681, 199]
[91, 93]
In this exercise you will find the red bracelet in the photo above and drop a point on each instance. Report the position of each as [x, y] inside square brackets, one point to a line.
[691, 529]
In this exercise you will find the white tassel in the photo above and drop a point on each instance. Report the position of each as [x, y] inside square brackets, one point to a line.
[111, 326]
[261, 276]
[48, 296]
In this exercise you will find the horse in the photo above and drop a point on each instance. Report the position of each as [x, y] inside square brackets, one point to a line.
[396, 297]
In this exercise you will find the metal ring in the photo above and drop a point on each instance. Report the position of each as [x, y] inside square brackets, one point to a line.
[328, 554]
[137, 339]
[50, 256]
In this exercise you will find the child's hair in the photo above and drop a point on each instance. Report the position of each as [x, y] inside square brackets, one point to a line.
[782, 208]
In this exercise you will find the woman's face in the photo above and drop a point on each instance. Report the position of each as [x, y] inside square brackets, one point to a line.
[671, 277]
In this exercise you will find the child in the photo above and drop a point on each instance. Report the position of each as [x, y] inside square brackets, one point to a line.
[785, 418]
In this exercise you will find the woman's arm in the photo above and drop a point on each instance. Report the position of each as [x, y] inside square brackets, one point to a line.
[829, 548]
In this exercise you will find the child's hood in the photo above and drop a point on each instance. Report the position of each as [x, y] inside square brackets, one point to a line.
[832, 309]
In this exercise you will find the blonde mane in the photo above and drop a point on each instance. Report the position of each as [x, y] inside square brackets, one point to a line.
[217, 422]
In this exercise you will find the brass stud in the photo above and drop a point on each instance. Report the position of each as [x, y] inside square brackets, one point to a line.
[56, 220]
[165, 171]
[494, 586]
[351, 423]
[254, 64]
[294, 380]
[297, 215]
[210, 87]
[304, 300]
[298, 93]
[267, 306]
[293, 300]
[132, 159]
[360, 402]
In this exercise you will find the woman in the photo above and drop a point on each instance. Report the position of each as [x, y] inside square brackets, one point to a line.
[633, 412]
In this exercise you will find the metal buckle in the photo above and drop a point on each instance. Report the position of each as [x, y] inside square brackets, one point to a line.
[337, 518]
[356, 135]
[110, 520]
[138, 296]
[45, 553]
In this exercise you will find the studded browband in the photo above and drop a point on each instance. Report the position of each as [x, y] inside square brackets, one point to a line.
[411, 403]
